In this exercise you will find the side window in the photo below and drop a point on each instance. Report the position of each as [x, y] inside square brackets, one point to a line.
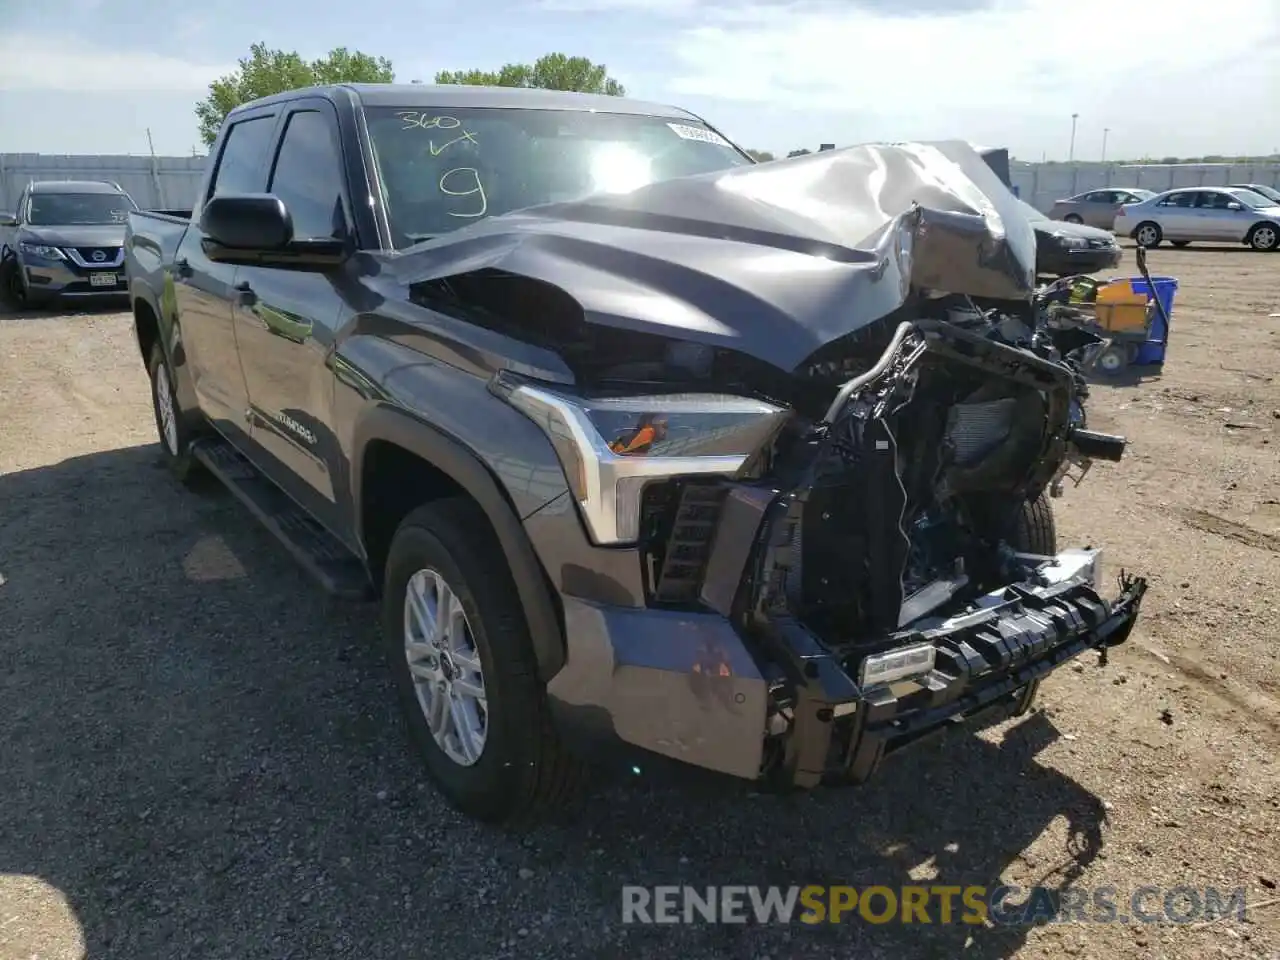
[243, 155]
[1213, 200]
[308, 177]
[1100, 196]
[1179, 200]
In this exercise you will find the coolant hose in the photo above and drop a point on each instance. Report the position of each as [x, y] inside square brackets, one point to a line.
[862, 379]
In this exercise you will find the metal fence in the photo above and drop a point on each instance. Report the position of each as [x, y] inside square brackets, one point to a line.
[155, 183]
[170, 183]
[1040, 184]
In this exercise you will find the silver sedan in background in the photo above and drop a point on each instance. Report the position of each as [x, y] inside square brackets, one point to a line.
[1225, 214]
[1097, 208]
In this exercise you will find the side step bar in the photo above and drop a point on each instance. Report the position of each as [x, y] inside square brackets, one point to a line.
[338, 571]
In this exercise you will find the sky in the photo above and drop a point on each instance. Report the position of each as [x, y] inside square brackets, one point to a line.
[1163, 77]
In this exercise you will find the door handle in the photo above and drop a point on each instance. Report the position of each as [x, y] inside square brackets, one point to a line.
[183, 267]
[245, 294]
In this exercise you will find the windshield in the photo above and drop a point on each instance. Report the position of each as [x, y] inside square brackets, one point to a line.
[1270, 193]
[1252, 198]
[444, 169]
[70, 209]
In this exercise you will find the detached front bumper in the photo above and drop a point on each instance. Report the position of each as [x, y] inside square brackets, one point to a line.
[690, 687]
[988, 661]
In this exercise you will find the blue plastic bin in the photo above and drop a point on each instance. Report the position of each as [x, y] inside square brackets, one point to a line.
[1151, 353]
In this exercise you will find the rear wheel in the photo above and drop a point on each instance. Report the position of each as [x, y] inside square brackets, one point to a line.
[465, 671]
[1148, 234]
[1264, 236]
[1073, 218]
[175, 438]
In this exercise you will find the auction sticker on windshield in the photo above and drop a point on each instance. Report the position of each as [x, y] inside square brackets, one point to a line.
[698, 133]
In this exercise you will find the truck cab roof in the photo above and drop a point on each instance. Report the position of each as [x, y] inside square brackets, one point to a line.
[410, 95]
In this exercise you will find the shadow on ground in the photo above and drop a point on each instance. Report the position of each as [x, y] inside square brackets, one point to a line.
[202, 754]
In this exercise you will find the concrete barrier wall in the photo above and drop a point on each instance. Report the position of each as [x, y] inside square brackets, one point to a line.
[172, 182]
[1040, 184]
[159, 183]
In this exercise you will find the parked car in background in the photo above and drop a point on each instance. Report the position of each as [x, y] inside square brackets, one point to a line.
[1065, 248]
[1203, 213]
[1097, 208]
[65, 240]
[1271, 193]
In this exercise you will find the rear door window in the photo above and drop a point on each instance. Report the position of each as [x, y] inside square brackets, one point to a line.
[242, 163]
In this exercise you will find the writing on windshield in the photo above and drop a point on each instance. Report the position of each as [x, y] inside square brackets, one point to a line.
[444, 168]
[462, 182]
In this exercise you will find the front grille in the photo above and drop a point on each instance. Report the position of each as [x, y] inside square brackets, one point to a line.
[685, 548]
[107, 254]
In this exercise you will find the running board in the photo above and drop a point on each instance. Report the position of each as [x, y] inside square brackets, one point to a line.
[336, 568]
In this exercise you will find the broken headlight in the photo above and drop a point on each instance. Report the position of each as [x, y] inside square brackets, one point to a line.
[611, 447]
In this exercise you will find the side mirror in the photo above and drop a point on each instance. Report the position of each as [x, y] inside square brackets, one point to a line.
[257, 229]
[1233, 205]
[8, 219]
[250, 222]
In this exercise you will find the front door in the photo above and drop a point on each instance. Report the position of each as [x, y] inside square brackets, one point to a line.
[287, 320]
[204, 290]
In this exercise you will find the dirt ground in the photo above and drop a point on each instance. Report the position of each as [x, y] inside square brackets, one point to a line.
[201, 756]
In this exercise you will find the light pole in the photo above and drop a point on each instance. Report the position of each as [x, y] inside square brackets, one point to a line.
[1105, 131]
[1071, 154]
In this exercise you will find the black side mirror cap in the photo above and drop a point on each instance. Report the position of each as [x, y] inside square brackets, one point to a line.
[247, 222]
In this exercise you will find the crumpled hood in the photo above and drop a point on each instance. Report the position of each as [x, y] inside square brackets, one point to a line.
[85, 235]
[773, 260]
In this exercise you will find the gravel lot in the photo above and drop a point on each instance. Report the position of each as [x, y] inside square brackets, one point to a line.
[201, 755]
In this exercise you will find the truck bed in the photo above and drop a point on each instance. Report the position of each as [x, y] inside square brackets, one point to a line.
[150, 243]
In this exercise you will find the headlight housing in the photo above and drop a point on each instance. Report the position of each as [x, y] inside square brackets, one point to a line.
[44, 251]
[612, 447]
[1074, 243]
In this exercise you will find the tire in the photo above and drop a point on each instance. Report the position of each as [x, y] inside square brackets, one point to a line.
[1034, 530]
[1181, 243]
[521, 771]
[1264, 237]
[1112, 360]
[1073, 218]
[1148, 234]
[175, 437]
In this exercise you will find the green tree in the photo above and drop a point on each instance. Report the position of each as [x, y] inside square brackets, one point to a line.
[265, 72]
[555, 71]
[761, 156]
[802, 152]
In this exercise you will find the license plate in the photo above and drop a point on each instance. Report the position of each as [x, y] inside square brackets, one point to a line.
[102, 279]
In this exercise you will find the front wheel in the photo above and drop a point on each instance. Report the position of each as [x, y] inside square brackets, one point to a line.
[175, 438]
[1034, 530]
[1073, 218]
[465, 671]
[1264, 236]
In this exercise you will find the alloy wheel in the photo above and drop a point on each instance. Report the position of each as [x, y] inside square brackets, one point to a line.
[444, 662]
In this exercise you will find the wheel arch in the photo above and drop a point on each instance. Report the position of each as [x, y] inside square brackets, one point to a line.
[389, 441]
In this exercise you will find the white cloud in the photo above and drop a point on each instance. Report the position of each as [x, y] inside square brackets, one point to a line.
[1024, 60]
[61, 62]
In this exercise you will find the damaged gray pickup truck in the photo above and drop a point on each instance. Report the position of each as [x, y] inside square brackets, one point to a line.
[646, 449]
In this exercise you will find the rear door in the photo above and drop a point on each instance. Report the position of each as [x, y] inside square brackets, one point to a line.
[287, 319]
[204, 289]
[1099, 208]
[1177, 216]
